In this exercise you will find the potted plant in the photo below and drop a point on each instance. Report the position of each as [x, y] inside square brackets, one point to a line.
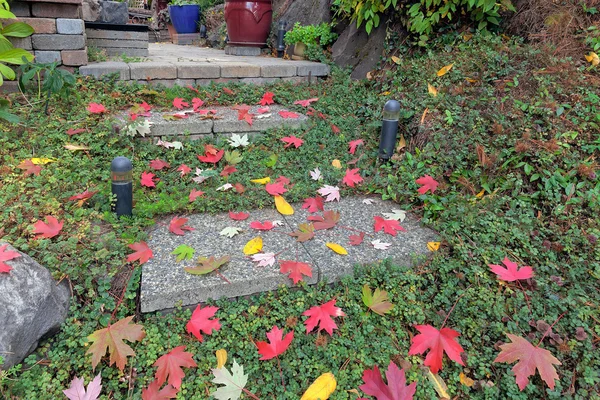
[185, 15]
[309, 38]
[248, 22]
[164, 21]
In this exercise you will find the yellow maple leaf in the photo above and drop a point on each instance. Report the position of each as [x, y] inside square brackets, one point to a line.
[253, 246]
[283, 206]
[465, 380]
[336, 163]
[321, 388]
[438, 384]
[262, 181]
[337, 248]
[42, 161]
[445, 70]
[432, 90]
[221, 358]
[75, 147]
[593, 58]
[433, 246]
[480, 194]
[396, 60]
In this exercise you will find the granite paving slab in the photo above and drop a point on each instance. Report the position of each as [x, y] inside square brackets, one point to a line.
[406, 247]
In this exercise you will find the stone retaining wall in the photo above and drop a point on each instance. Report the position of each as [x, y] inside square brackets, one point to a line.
[117, 43]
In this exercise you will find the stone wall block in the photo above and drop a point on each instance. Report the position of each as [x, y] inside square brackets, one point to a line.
[44, 57]
[55, 10]
[67, 26]
[74, 58]
[58, 42]
[41, 25]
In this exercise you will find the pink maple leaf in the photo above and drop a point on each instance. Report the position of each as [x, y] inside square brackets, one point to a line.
[240, 216]
[313, 204]
[159, 164]
[197, 103]
[292, 140]
[142, 252]
[396, 388]
[295, 269]
[77, 391]
[354, 144]
[266, 99]
[228, 170]
[306, 103]
[437, 342]
[178, 225]
[352, 176]
[288, 114]
[264, 226]
[48, 229]
[330, 193]
[277, 344]
[428, 183]
[96, 108]
[184, 169]
[179, 103]
[275, 189]
[321, 315]
[512, 272]
[194, 194]
[389, 226]
[6, 255]
[148, 179]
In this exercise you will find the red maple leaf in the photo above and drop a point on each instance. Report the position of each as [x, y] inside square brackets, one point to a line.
[178, 225]
[47, 229]
[29, 168]
[335, 129]
[264, 226]
[212, 158]
[266, 99]
[184, 169]
[295, 269]
[238, 216]
[275, 189]
[428, 184]
[276, 345]
[356, 240]
[72, 131]
[262, 110]
[170, 365]
[313, 204]
[228, 170]
[228, 91]
[179, 104]
[193, 89]
[142, 252]
[306, 103]
[352, 176]
[96, 108]
[437, 342]
[83, 196]
[194, 194]
[530, 357]
[244, 113]
[288, 114]
[512, 272]
[354, 144]
[5, 256]
[210, 149]
[154, 392]
[283, 180]
[158, 164]
[197, 103]
[329, 219]
[201, 322]
[239, 188]
[389, 226]
[292, 140]
[396, 388]
[321, 315]
[147, 107]
[148, 179]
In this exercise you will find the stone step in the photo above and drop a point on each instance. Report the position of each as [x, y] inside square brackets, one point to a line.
[165, 284]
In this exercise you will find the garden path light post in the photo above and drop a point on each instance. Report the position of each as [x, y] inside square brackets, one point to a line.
[280, 36]
[389, 129]
[122, 185]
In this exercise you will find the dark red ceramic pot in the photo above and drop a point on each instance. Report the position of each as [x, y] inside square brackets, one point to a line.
[248, 22]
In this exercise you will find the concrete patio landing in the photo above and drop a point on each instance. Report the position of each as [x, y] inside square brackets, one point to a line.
[165, 283]
[170, 65]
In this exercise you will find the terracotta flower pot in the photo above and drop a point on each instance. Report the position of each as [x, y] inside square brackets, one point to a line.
[299, 49]
[248, 22]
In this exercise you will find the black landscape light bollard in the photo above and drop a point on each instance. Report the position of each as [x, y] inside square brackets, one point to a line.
[203, 31]
[389, 129]
[280, 36]
[122, 185]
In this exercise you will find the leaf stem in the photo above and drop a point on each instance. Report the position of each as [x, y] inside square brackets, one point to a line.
[550, 328]
[281, 373]
[452, 309]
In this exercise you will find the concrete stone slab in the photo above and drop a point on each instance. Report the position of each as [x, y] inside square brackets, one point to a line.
[242, 51]
[230, 122]
[165, 283]
[192, 126]
[239, 70]
[98, 70]
[153, 70]
[168, 82]
[404, 249]
[306, 68]
[278, 70]
[197, 70]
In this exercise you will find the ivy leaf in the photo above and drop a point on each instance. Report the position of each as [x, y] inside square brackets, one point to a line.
[154, 392]
[111, 339]
[183, 252]
[234, 382]
[201, 322]
[321, 315]
[178, 225]
[48, 229]
[277, 344]
[512, 272]
[6, 256]
[436, 342]
[396, 388]
[377, 302]
[77, 391]
[530, 358]
[169, 365]
[142, 252]
[295, 269]
[230, 231]
[206, 265]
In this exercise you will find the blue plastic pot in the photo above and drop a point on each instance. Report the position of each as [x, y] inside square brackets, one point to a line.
[185, 18]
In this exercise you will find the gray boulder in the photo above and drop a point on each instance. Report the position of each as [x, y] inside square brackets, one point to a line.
[90, 10]
[113, 12]
[32, 306]
[307, 12]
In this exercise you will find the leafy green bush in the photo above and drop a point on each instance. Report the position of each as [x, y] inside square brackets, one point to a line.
[310, 35]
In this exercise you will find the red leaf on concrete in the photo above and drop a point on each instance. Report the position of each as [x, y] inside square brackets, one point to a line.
[148, 179]
[264, 226]
[313, 204]
[295, 269]
[197, 103]
[275, 189]
[194, 194]
[6, 255]
[158, 164]
[512, 272]
[292, 140]
[428, 183]
[238, 216]
[306, 103]
[96, 108]
[228, 170]
[179, 103]
[184, 169]
[154, 392]
[266, 99]
[277, 344]
[142, 252]
[329, 219]
[170, 365]
[47, 229]
[288, 114]
[356, 240]
[436, 342]
[321, 315]
[200, 322]
[178, 225]
[352, 177]
[389, 226]
[244, 113]
[29, 167]
[354, 144]
[396, 388]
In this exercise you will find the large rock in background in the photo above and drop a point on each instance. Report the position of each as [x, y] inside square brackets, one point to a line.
[90, 10]
[32, 306]
[307, 12]
[111, 12]
[356, 49]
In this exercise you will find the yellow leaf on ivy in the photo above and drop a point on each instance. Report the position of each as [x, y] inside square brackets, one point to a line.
[480, 194]
[337, 248]
[467, 37]
[445, 70]
[262, 181]
[438, 384]
[465, 380]
[321, 388]
[283, 206]
[221, 358]
[336, 163]
[432, 90]
[42, 161]
[396, 60]
[593, 58]
[253, 246]
[401, 143]
[74, 147]
[353, 391]
[433, 246]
